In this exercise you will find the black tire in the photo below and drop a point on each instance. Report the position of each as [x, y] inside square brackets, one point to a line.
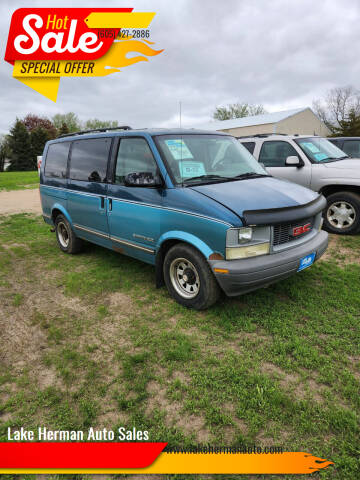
[349, 203]
[66, 238]
[184, 258]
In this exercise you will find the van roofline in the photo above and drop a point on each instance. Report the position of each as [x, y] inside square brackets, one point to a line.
[121, 131]
[95, 130]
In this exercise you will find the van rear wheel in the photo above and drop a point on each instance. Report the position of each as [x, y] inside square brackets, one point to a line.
[342, 214]
[189, 279]
[66, 238]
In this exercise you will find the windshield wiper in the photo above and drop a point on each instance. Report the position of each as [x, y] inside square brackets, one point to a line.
[250, 175]
[220, 178]
[207, 177]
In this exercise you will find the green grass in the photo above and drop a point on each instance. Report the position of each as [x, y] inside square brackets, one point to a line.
[276, 367]
[18, 180]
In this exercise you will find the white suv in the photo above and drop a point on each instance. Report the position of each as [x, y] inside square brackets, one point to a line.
[316, 163]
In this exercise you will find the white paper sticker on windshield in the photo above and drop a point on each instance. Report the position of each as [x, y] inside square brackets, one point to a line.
[311, 146]
[178, 149]
[191, 169]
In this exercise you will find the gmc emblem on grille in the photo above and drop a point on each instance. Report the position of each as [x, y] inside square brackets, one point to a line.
[296, 231]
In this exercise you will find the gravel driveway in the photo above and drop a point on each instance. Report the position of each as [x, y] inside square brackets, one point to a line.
[20, 201]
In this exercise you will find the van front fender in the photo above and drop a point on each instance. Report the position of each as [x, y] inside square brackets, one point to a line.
[187, 238]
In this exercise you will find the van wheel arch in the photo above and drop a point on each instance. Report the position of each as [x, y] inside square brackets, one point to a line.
[55, 213]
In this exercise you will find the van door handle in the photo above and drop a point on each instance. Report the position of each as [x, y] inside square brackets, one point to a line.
[102, 202]
[110, 204]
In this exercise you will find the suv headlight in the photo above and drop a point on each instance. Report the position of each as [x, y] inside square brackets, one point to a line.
[247, 242]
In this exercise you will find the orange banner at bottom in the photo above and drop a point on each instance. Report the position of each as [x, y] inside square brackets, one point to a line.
[213, 463]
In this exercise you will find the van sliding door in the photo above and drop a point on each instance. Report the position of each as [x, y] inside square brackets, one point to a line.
[87, 188]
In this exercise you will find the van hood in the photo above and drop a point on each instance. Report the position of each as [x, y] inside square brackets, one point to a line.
[349, 163]
[257, 194]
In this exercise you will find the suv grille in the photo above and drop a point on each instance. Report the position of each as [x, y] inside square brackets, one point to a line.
[286, 232]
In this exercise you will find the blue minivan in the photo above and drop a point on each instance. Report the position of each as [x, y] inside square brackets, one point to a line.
[194, 204]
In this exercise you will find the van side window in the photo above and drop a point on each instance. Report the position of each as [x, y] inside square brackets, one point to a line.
[249, 146]
[274, 153]
[56, 160]
[89, 159]
[134, 156]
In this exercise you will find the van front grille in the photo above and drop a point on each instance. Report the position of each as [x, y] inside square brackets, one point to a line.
[286, 232]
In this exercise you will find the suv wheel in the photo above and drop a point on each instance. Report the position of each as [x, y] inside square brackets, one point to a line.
[67, 240]
[342, 214]
[189, 279]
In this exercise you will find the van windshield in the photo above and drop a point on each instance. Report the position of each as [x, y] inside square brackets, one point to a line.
[197, 159]
[320, 150]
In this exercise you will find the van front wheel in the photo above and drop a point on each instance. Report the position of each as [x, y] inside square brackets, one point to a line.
[66, 238]
[189, 279]
[342, 214]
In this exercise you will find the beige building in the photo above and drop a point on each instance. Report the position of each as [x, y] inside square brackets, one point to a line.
[301, 120]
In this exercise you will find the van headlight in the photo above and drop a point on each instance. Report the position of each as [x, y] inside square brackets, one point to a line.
[245, 234]
[247, 242]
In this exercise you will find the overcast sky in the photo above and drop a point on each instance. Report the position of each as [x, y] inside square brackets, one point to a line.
[279, 53]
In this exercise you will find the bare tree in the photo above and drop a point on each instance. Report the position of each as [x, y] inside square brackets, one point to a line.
[336, 106]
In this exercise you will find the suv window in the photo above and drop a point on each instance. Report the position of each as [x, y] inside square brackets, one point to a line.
[134, 156]
[56, 160]
[319, 149]
[352, 148]
[274, 153]
[249, 146]
[89, 159]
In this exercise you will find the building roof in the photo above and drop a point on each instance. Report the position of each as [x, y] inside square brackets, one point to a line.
[273, 117]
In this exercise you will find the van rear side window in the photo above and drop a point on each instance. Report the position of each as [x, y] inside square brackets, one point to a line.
[56, 160]
[89, 159]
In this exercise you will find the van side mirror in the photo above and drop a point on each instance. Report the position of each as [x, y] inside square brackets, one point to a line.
[293, 161]
[142, 179]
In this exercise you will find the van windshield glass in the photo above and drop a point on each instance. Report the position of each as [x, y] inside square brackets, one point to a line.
[320, 150]
[198, 159]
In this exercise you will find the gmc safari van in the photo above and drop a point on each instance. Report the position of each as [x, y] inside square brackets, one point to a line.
[194, 204]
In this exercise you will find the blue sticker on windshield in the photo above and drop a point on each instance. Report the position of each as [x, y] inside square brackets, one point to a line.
[178, 149]
[320, 156]
[191, 169]
[311, 146]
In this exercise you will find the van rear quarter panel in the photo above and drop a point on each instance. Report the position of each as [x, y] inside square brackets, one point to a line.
[52, 190]
[53, 197]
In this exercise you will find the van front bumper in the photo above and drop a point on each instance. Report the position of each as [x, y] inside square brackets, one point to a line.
[250, 274]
